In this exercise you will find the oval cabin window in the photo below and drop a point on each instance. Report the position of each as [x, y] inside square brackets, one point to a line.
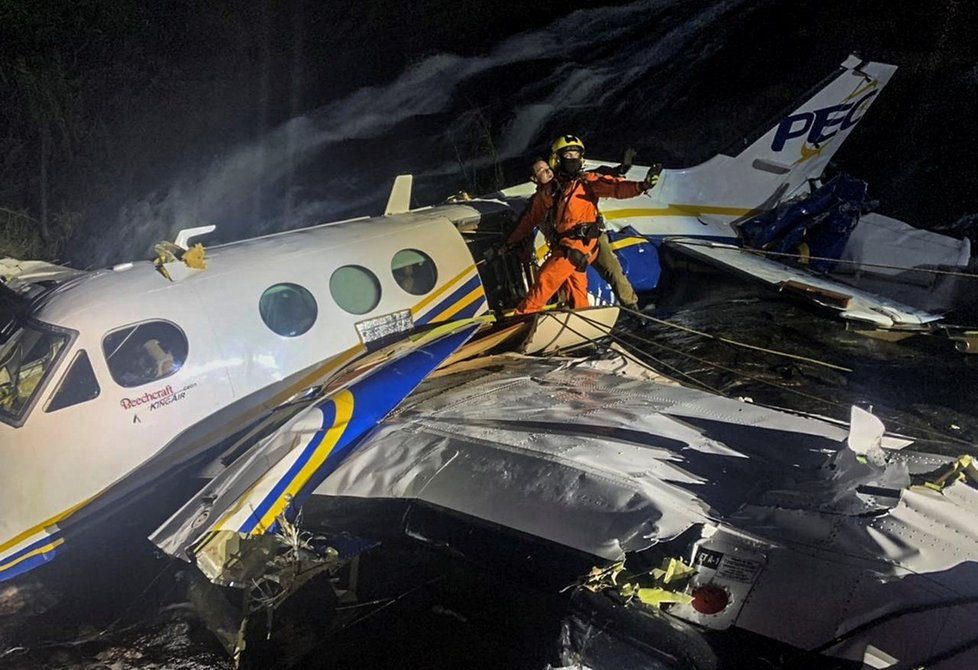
[414, 271]
[355, 289]
[144, 352]
[288, 309]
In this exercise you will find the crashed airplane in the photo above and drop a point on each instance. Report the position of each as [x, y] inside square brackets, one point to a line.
[304, 372]
[746, 212]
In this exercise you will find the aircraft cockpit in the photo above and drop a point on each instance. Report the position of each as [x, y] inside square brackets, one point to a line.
[33, 352]
[29, 353]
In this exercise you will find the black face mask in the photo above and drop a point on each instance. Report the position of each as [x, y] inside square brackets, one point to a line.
[570, 166]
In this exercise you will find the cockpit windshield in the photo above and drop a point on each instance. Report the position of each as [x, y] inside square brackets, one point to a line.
[28, 354]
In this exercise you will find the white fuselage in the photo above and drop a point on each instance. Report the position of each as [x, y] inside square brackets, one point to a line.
[59, 466]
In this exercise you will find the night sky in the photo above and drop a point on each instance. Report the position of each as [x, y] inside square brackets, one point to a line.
[124, 120]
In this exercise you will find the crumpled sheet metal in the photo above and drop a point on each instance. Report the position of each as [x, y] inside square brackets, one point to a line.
[923, 551]
[598, 462]
[276, 474]
[862, 305]
[178, 532]
[556, 492]
[606, 463]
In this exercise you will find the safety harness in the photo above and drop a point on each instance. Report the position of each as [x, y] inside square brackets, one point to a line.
[587, 231]
[590, 230]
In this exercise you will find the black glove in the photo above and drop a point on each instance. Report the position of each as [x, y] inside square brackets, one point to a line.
[652, 176]
[629, 157]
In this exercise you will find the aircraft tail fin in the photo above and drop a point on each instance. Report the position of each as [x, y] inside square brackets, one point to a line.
[808, 137]
[780, 163]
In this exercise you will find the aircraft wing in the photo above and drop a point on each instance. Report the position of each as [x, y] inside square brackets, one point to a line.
[587, 456]
[602, 463]
[850, 302]
[264, 488]
[810, 529]
[918, 267]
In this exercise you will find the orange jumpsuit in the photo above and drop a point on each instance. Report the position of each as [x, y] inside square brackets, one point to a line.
[572, 204]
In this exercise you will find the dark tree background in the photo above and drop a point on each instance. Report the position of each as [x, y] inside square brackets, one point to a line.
[105, 100]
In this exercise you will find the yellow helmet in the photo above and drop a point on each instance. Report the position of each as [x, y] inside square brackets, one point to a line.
[561, 143]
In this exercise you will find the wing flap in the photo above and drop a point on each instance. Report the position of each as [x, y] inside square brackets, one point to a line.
[852, 303]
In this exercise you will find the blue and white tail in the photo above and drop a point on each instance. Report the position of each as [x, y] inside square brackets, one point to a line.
[776, 167]
[802, 143]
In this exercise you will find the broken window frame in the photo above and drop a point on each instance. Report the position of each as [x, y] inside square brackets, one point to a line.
[15, 329]
[69, 384]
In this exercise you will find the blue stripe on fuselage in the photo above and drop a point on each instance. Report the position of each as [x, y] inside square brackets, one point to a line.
[456, 295]
[32, 562]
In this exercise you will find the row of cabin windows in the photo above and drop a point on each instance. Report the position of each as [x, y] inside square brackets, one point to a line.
[290, 310]
[150, 351]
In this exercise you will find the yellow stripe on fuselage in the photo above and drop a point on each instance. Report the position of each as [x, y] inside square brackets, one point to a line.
[33, 530]
[543, 250]
[440, 292]
[344, 411]
[330, 366]
[676, 210]
[40, 550]
[334, 363]
[459, 305]
[628, 242]
[648, 212]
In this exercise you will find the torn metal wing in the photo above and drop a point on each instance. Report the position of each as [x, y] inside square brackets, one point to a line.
[810, 528]
[269, 482]
[851, 303]
[602, 463]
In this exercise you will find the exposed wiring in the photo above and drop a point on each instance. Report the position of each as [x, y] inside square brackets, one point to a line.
[727, 340]
[628, 354]
[938, 435]
[619, 338]
[109, 629]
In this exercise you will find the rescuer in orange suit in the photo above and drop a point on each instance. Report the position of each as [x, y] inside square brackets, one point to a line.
[571, 202]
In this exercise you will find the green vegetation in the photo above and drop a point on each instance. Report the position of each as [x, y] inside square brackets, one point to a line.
[21, 237]
[91, 107]
[48, 127]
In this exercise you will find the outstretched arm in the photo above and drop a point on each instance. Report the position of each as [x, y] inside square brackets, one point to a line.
[607, 186]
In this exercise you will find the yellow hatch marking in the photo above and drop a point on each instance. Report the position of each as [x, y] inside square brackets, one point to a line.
[469, 298]
[437, 294]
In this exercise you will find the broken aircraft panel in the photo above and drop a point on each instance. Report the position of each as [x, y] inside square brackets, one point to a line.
[785, 509]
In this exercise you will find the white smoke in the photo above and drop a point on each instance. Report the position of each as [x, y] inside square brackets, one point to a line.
[606, 78]
[228, 191]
